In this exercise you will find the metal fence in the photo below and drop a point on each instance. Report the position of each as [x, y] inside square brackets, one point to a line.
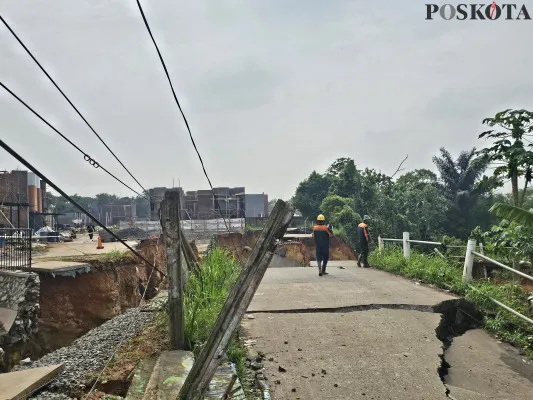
[468, 264]
[15, 249]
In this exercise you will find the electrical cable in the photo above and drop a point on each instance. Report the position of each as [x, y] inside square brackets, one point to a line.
[179, 107]
[68, 100]
[86, 156]
[27, 164]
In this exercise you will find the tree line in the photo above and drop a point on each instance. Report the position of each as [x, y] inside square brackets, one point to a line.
[461, 197]
[61, 205]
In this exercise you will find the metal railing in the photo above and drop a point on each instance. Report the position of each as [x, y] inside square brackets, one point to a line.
[15, 249]
[471, 253]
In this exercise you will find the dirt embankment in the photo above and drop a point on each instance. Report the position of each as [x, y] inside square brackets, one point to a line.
[71, 306]
[302, 251]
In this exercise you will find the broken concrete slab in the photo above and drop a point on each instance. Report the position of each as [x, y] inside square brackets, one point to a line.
[480, 364]
[140, 380]
[18, 385]
[220, 382]
[61, 268]
[302, 288]
[7, 318]
[380, 354]
[168, 375]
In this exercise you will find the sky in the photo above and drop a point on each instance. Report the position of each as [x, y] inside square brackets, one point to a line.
[272, 89]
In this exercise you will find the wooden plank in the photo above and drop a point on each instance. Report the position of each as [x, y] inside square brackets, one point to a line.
[170, 209]
[20, 384]
[237, 303]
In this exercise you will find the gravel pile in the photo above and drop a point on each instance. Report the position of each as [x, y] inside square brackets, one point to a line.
[89, 353]
[132, 233]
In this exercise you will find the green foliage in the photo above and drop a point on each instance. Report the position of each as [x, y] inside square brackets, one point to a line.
[442, 273]
[513, 158]
[512, 213]
[462, 185]
[310, 193]
[205, 295]
[507, 241]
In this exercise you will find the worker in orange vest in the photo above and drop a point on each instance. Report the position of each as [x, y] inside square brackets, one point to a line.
[321, 235]
[364, 241]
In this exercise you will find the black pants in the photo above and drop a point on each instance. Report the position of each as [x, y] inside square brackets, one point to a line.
[363, 257]
[90, 236]
[322, 257]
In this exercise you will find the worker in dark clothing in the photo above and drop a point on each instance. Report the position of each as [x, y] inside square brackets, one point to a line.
[364, 241]
[321, 235]
[90, 230]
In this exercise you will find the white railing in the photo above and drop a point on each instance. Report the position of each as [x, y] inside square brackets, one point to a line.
[471, 253]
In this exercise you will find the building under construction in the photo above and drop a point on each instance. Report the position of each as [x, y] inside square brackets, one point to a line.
[22, 200]
[220, 202]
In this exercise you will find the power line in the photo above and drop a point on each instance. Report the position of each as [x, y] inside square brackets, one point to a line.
[86, 156]
[68, 100]
[27, 164]
[179, 107]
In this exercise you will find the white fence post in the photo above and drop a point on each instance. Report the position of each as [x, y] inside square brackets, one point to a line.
[406, 246]
[380, 243]
[469, 260]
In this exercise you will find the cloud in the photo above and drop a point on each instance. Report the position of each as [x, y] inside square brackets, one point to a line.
[272, 89]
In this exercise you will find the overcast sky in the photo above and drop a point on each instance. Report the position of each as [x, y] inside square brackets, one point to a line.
[273, 89]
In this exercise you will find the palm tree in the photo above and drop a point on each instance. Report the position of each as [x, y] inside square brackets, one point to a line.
[462, 185]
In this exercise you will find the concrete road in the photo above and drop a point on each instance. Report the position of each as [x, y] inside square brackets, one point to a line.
[365, 334]
[80, 246]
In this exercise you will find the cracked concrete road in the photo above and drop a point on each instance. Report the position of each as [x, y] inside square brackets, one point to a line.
[380, 352]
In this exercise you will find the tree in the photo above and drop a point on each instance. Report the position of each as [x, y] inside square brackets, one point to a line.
[348, 182]
[463, 185]
[338, 166]
[420, 201]
[513, 158]
[310, 193]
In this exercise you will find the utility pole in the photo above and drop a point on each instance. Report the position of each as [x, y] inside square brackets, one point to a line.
[170, 213]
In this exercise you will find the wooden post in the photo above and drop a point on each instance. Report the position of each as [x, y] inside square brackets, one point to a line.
[469, 260]
[188, 254]
[237, 303]
[380, 243]
[170, 222]
[406, 246]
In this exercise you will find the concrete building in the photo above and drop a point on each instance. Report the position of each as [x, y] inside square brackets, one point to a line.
[256, 205]
[120, 210]
[22, 199]
[156, 197]
[225, 202]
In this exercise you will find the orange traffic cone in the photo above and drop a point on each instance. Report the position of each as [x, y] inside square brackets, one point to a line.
[100, 245]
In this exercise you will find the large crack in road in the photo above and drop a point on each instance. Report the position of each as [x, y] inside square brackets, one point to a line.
[457, 317]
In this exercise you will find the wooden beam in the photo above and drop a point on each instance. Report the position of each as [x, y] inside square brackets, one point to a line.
[237, 303]
[170, 211]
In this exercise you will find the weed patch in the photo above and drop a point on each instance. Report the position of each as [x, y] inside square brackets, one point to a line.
[205, 295]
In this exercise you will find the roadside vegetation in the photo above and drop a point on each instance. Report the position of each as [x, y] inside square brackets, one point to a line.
[446, 274]
[205, 295]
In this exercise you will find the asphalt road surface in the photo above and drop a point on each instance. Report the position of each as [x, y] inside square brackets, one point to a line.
[365, 334]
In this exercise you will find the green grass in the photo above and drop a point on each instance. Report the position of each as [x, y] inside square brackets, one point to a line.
[113, 255]
[440, 272]
[205, 295]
